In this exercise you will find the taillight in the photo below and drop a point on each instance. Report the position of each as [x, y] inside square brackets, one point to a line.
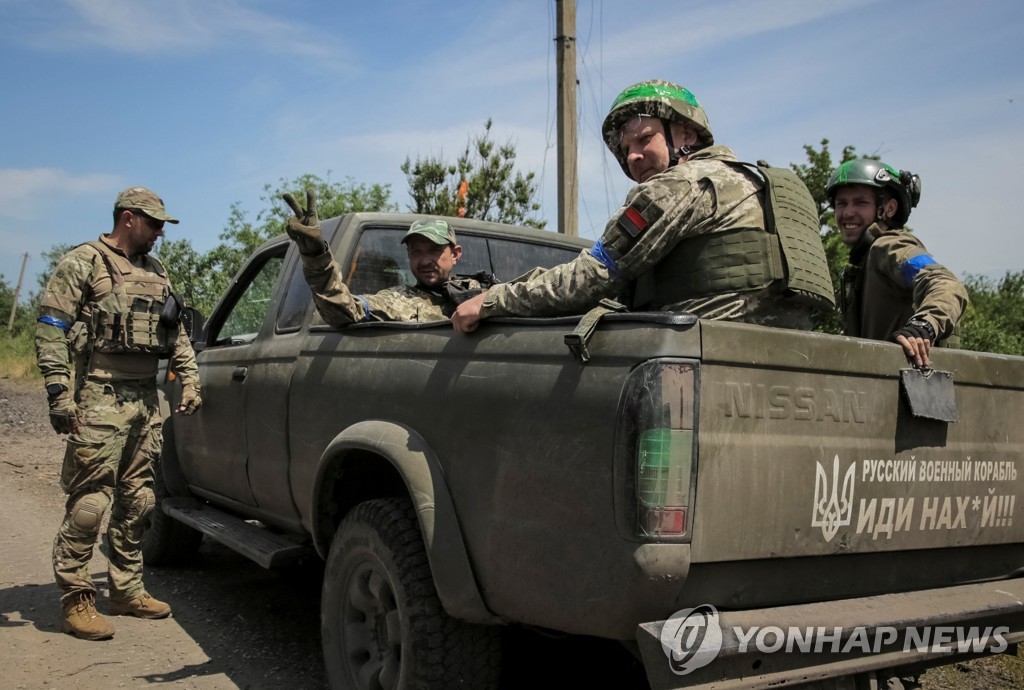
[656, 437]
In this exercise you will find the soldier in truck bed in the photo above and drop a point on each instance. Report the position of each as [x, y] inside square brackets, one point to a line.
[893, 289]
[692, 236]
[433, 253]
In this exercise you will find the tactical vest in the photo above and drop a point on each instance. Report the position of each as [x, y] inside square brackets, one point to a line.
[463, 287]
[127, 319]
[788, 255]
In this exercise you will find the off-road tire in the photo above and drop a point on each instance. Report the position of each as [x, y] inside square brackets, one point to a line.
[166, 541]
[382, 624]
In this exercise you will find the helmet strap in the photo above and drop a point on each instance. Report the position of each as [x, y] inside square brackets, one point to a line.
[674, 154]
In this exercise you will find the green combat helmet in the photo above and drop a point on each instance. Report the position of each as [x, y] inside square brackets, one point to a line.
[904, 185]
[661, 99]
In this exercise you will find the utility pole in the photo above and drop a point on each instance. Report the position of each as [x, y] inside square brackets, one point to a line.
[568, 177]
[14, 304]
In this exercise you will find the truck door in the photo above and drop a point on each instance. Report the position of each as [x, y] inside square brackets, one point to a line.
[216, 452]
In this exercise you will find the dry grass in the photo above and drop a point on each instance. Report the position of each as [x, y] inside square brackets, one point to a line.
[1000, 671]
[18, 357]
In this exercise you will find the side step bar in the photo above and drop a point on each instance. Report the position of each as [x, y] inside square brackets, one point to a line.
[268, 549]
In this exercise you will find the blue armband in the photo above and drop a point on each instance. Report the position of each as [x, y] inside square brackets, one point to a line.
[367, 316]
[601, 254]
[53, 321]
[914, 266]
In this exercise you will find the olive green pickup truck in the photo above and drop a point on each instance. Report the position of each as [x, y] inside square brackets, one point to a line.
[740, 506]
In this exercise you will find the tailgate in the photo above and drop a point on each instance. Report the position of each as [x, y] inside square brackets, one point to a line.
[806, 449]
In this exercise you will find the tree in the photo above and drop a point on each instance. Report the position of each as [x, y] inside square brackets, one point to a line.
[202, 278]
[484, 171]
[52, 257]
[994, 320]
[23, 314]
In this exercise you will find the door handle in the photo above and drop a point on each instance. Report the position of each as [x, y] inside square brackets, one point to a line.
[239, 373]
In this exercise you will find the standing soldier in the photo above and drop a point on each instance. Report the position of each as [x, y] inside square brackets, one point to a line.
[106, 318]
[893, 289]
[698, 233]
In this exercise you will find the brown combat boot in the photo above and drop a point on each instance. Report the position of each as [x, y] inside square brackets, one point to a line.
[140, 606]
[80, 618]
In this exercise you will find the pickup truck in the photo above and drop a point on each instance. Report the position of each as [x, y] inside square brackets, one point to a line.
[740, 506]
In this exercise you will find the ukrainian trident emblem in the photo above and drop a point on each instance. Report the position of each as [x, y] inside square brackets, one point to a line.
[832, 509]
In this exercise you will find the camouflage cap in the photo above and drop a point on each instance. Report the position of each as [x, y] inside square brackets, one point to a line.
[146, 201]
[434, 229]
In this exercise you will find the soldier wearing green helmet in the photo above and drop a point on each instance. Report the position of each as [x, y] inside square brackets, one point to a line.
[694, 235]
[433, 253]
[893, 289]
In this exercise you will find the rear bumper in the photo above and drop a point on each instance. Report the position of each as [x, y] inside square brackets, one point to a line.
[838, 638]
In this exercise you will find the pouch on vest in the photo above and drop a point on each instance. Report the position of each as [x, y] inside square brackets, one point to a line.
[129, 318]
[170, 316]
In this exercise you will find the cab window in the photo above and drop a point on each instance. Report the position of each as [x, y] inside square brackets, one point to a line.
[250, 301]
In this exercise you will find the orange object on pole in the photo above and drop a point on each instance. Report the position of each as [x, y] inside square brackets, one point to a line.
[460, 199]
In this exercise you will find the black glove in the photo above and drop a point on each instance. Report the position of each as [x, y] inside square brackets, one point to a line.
[304, 226]
[916, 328]
[64, 413]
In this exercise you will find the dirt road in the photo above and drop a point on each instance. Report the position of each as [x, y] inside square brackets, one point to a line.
[235, 625]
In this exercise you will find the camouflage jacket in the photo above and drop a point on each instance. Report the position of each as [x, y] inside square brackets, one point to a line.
[63, 333]
[339, 307]
[891, 279]
[699, 196]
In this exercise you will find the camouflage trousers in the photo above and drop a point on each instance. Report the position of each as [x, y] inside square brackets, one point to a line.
[108, 463]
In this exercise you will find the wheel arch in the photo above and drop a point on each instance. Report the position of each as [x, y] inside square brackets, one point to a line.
[374, 459]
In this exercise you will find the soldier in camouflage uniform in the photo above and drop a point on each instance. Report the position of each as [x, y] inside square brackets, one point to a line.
[692, 235]
[433, 253]
[893, 289]
[106, 317]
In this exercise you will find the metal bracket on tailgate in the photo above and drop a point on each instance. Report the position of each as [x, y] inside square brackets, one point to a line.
[929, 394]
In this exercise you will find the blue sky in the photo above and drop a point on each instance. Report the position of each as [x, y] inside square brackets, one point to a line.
[205, 101]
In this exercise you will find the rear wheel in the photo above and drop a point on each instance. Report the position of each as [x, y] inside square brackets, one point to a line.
[382, 623]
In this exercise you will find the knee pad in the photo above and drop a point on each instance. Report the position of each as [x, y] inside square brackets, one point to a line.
[88, 512]
[144, 501]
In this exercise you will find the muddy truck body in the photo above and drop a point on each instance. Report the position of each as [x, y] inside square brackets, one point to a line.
[740, 506]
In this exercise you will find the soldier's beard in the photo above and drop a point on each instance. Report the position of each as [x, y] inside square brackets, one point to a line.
[436, 279]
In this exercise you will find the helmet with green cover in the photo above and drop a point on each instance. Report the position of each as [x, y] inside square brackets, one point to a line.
[904, 186]
[661, 99]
